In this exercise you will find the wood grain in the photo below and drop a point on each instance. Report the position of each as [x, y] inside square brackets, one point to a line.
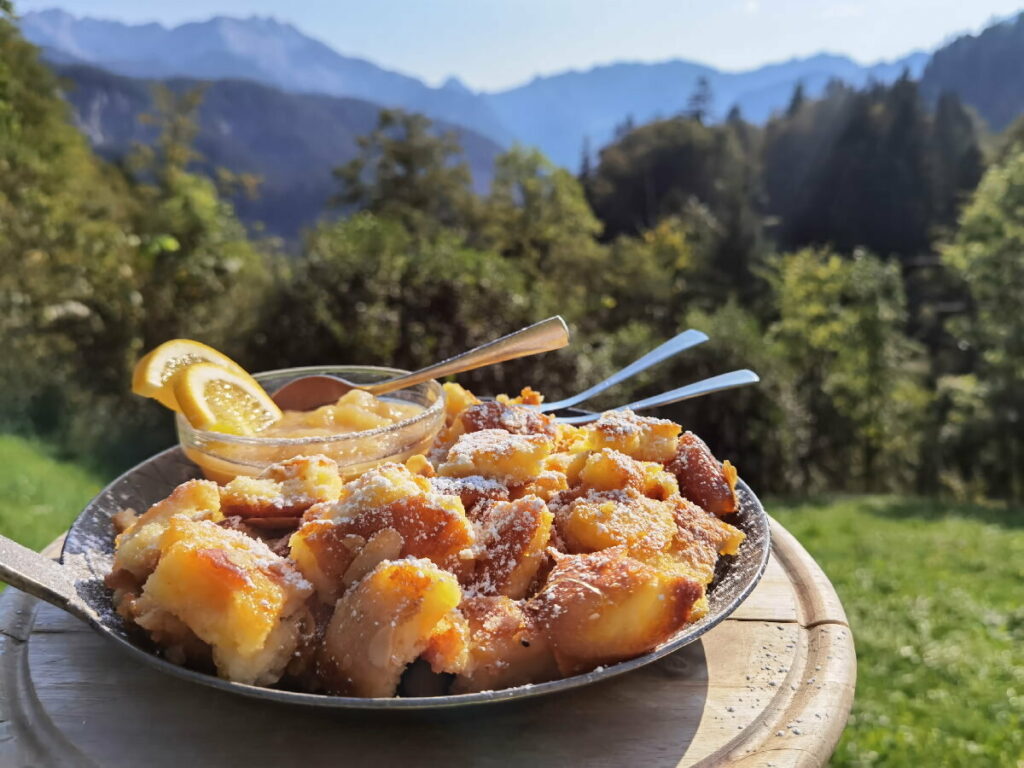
[770, 686]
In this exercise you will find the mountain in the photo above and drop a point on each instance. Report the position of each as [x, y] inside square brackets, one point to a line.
[984, 70]
[559, 112]
[259, 49]
[292, 141]
[555, 113]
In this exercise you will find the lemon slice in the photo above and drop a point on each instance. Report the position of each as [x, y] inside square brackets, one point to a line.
[220, 400]
[155, 373]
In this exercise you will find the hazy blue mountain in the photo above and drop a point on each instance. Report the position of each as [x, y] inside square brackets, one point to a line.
[292, 141]
[259, 49]
[558, 112]
[986, 71]
[555, 113]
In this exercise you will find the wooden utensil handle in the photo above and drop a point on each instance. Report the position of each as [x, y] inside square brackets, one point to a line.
[38, 576]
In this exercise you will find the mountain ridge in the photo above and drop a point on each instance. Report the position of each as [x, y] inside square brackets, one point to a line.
[557, 112]
[291, 141]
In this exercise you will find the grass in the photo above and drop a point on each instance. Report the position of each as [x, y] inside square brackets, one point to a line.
[39, 495]
[934, 593]
[935, 596]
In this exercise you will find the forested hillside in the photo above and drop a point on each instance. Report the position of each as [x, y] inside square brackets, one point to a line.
[843, 251]
[289, 141]
[984, 70]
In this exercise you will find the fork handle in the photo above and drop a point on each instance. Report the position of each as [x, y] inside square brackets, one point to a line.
[39, 576]
[545, 336]
[673, 346]
[718, 383]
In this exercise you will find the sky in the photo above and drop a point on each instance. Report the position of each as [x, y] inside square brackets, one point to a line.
[494, 44]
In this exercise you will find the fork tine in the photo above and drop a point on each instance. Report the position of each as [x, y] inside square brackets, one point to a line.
[673, 346]
[718, 383]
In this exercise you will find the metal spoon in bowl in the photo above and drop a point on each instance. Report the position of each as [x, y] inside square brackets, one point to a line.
[309, 392]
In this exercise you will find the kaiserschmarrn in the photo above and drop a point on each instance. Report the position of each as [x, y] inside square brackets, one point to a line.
[517, 550]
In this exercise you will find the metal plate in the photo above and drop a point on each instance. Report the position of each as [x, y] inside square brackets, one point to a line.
[88, 552]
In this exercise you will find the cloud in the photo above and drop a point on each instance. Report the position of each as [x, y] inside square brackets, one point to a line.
[752, 6]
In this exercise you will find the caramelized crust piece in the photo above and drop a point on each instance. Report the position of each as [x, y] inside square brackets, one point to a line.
[606, 606]
[382, 624]
[505, 647]
[138, 547]
[448, 647]
[641, 437]
[702, 479]
[428, 525]
[283, 490]
[700, 539]
[232, 592]
[324, 555]
[516, 419]
[471, 490]
[602, 519]
[511, 539]
[497, 454]
[610, 470]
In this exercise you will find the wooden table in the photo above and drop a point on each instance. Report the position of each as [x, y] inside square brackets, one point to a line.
[770, 686]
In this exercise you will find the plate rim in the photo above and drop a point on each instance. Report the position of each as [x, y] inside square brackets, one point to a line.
[448, 701]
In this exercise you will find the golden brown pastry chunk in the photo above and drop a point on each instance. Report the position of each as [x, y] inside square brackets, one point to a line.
[427, 523]
[448, 647]
[232, 592]
[511, 539]
[382, 624]
[286, 489]
[516, 419]
[505, 647]
[471, 490]
[602, 519]
[604, 607]
[700, 539]
[641, 437]
[497, 454]
[611, 470]
[138, 547]
[702, 479]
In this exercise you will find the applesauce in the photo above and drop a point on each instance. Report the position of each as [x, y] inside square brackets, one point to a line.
[357, 432]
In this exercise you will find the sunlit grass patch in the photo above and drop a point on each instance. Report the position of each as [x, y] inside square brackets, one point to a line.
[39, 495]
[935, 596]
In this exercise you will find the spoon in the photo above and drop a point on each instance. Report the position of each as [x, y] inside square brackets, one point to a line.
[309, 392]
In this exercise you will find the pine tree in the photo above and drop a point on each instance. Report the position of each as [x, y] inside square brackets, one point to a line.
[796, 101]
[698, 106]
[586, 161]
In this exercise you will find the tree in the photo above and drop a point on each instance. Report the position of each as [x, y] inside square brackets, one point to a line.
[68, 262]
[202, 274]
[586, 161]
[797, 100]
[681, 168]
[623, 128]
[406, 171]
[841, 331]
[698, 106]
[986, 254]
[957, 158]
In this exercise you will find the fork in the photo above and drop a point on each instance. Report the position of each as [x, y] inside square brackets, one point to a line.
[676, 344]
[720, 383]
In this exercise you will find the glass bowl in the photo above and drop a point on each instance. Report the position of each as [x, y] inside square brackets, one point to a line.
[223, 457]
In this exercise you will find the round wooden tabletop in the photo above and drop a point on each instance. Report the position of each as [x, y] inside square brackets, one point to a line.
[770, 686]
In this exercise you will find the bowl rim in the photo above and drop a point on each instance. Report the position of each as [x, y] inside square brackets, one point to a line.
[428, 413]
